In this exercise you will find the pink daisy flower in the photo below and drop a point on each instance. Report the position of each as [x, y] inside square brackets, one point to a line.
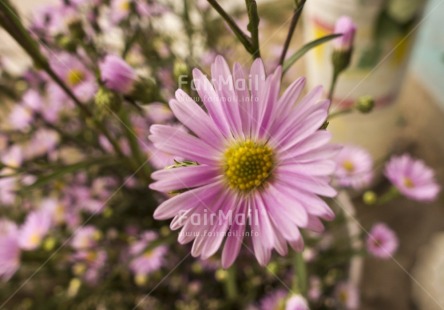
[296, 302]
[274, 300]
[85, 238]
[146, 261]
[9, 249]
[412, 178]
[262, 160]
[382, 241]
[347, 295]
[34, 229]
[354, 167]
[76, 75]
[117, 74]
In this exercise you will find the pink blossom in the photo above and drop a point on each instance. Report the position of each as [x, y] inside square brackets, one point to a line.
[117, 74]
[354, 167]
[412, 178]
[382, 241]
[276, 163]
[347, 295]
[35, 228]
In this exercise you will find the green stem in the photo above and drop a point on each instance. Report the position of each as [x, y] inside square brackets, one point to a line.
[294, 21]
[391, 194]
[243, 38]
[300, 274]
[230, 284]
[339, 113]
[253, 27]
[334, 80]
[188, 27]
[134, 144]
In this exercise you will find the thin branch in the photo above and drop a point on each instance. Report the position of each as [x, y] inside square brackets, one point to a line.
[294, 21]
[243, 38]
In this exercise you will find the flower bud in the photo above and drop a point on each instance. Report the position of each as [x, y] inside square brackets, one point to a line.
[76, 29]
[66, 43]
[117, 75]
[347, 28]
[106, 101]
[343, 45]
[141, 279]
[74, 286]
[365, 104]
[369, 198]
[221, 275]
[49, 244]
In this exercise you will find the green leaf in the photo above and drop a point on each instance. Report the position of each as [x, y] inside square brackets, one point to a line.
[301, 52]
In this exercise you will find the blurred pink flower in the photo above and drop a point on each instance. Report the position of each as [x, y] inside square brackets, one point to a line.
[315, 288]
[75, 74]
[145, 261]
[412, 178]
[20, 117]
[347, 296]
[274, 300]
[117, 74]
[42, 142]
[354, 167]
[159, 113]
[9, 249]
[85, 238]
[382, 241]
[35, 228]
[296, 302]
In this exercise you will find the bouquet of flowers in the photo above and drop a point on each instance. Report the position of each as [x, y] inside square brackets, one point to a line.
[137, 170]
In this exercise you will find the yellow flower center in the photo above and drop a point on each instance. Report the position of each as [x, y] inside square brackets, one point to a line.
[125, 6]
[348, 166]
[35, 239]
[248, 165]
[75, 77]
[408, 183]
[148, 254]
[343, 297]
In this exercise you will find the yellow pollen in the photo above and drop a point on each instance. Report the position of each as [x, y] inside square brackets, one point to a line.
[75, 77]
[348, 166]
[343, 297]
[148, 254]
[35, 239]
[248, 165]
[125, 6]
[408, 183]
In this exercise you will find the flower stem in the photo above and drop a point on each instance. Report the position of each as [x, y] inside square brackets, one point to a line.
[294, 21]
[339, 113]
[253, 27]
[230, 284]
[391, 194]
[134, 144]
[299, 274]
[354, 229]
[334, 80]
[243, 38]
